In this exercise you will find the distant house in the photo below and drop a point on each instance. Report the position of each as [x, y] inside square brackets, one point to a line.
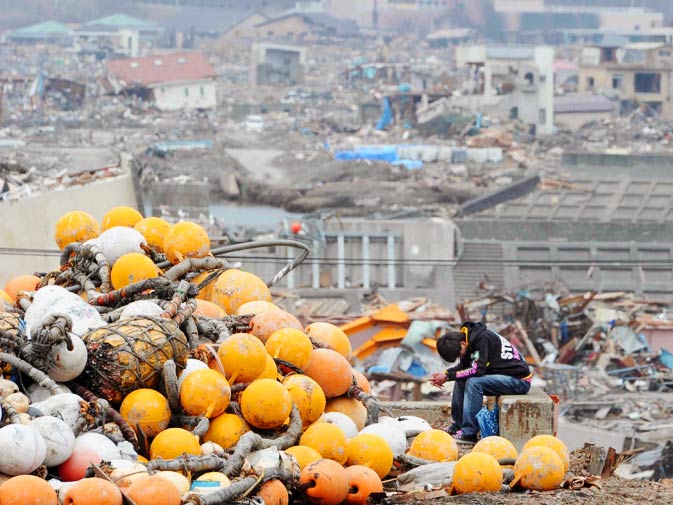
[450, 37]
[242, 28]
[303, 24]
[171, 81]
[574, 110]
[51, 32]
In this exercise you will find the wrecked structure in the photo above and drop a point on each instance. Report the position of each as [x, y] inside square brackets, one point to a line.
[169, 81]
[635, 74]
[515, 82]
[277, 64]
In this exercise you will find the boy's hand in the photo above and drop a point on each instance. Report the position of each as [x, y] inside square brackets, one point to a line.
[438, 379]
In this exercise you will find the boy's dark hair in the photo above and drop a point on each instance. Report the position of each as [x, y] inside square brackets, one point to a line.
[448, 345]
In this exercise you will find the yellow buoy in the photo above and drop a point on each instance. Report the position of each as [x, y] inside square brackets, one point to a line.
[434, 445]
[555, 444]
[291, 346]
[174, 442]
[371, 451]
[205, 392]
[235, 287]
[307, 395]
[328, 439]
[154, 230]
[225, 430]
[498, 447]
[121, 216]
[131, 268]
[243, 357]
[186, 240]
[538, 468]
[256, 307]
[477, 472]
[304, 455]
[266, 404]
[75, 226]
[147, 408]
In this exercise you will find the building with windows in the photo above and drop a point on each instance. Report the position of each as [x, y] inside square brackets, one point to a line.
[170, 81]
[636, 74]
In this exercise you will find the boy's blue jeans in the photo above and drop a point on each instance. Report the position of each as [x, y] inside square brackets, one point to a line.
[468, 397]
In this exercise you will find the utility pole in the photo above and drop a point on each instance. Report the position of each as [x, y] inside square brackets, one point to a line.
[375, 14]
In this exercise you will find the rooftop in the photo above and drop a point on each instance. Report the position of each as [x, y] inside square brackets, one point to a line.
[161, 68]
[121, 20]
[322, 21]
[205, 20]
[46, 29]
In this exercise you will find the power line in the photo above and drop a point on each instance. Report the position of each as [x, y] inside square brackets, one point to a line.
[384, 262]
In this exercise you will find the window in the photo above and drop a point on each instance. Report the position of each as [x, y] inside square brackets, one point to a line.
[270, 33]
[647, 82]
[530, 78]
[202, 90]
[664, 53]
[543, 116]
[590, 82]
[617, 81]
[187, 92]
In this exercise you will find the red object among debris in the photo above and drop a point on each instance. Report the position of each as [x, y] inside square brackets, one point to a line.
[161, 68]
[295, 227]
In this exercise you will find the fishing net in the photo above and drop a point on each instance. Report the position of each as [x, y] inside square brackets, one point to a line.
[130, 354]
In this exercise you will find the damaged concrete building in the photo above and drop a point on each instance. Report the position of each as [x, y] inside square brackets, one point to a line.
[170, 81]
[636, 74]
[515, 82]
[277, 64]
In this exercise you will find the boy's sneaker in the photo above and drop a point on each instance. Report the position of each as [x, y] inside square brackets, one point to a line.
[464, 439]
[453, 429]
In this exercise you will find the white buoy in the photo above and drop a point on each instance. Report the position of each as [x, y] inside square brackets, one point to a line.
[118, 241]
[141, 308]
[342, 421]
[67, 364]
[22, 449]
[393, 435]
[100, 444]
[58, 436]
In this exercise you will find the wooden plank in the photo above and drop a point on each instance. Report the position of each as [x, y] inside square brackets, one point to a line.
[529, 345]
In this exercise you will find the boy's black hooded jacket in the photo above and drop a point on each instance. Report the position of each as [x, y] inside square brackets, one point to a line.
[488, 353]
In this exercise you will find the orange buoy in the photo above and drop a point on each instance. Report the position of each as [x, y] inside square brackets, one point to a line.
[27, 490]
[25, 282]
[225, 430]
[265, 323]
[205, 392]
[93, 491]
[372, 451]
[274, 492]
[328, 439]
[154, 490]
[147, 408]
[174, 442]
[326, 482]
[209, 309]
[331, 370]
[266, 404]
[330, 336]
[243, 357]
[362, 483]
[291, 346]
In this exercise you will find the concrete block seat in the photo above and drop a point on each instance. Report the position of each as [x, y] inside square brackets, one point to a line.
[524, 416]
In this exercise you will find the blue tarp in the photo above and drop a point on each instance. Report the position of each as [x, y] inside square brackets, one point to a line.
[379, 153]
[386, 116]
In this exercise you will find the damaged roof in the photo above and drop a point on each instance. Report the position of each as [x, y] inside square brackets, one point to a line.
[205, 19]
[161, 69]
[321, 21]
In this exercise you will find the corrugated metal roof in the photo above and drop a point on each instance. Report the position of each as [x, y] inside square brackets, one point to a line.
[582, 103]
[161, 68]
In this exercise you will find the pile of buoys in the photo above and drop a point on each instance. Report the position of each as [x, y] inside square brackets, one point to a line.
[144, 366]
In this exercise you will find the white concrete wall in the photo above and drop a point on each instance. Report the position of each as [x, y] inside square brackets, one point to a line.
[630, 20]
[544, 59]
[189, 95]
[29, 223]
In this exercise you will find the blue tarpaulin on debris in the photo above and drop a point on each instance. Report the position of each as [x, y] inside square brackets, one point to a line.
[378, 153]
